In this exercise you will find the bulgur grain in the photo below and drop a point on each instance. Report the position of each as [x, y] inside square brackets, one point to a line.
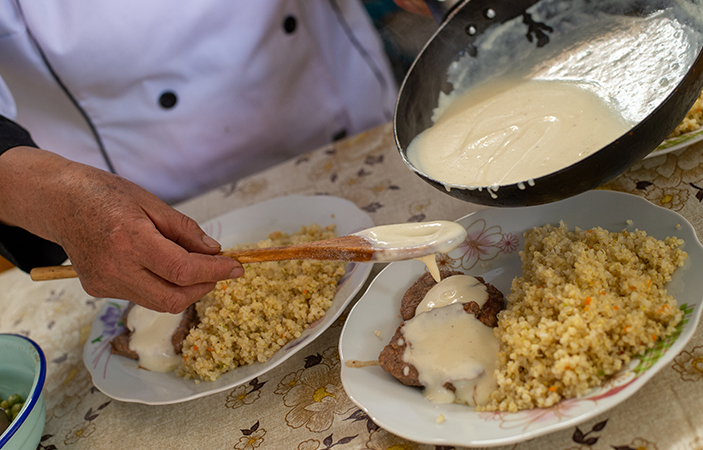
[693, 120]
[587, 302]
[248, 319]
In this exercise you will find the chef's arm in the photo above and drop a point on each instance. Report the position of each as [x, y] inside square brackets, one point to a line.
[123, 241]
[22, 248]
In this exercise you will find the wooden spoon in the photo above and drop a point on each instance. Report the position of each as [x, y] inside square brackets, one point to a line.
[384, 243]
[345, 248]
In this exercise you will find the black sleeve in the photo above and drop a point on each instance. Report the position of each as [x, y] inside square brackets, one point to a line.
[13, 135]
[22, 248]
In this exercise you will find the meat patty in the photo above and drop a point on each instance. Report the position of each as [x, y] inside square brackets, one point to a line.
[120, 343]
[391, 357]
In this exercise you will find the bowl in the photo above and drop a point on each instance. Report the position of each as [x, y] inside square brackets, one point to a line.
[23, 372]
[563, 40]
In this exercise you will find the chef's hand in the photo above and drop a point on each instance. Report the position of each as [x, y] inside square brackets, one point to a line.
[123, 241]
[414, 6]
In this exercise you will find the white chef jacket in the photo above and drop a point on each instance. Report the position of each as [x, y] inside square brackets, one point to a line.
[183, 96]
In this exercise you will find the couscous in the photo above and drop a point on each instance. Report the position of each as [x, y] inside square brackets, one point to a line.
[586, 303]
[248, 319]
[693, 120]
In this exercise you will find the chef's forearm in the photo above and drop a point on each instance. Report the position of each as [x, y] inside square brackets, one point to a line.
[30, 188]
[25, 176]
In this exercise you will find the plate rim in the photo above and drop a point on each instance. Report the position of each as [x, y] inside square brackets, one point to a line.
[678, 142]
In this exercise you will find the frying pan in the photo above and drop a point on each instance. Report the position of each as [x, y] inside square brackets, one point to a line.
[489, 37]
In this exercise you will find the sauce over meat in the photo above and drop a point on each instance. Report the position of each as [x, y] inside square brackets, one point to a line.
[454, 353]
[151, 338]
[456, 289]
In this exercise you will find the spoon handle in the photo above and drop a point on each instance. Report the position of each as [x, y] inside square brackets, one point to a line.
[52, 273]
[345, 248]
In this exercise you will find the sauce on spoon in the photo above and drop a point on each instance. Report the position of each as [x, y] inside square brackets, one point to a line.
[415, 241]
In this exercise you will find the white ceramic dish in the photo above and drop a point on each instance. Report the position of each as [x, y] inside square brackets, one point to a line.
[23, 372]
[119, 377]
[677, 143]
[491, 251]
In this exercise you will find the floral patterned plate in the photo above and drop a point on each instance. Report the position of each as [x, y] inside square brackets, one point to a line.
[119, 377]
[491, 251]
[677, 143]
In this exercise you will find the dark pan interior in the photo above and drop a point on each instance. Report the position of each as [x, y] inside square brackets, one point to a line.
[477, 21]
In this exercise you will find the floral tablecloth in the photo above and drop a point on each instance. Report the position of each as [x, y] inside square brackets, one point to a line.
[301, 405]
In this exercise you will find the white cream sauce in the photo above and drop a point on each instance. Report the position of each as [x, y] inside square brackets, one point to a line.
[413, 240]
[449, 345]
[151, 338]
[419, 241]
[512, 131]
[455, 289]
[430, 261]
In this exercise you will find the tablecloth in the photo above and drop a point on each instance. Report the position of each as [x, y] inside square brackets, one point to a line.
[283, 409]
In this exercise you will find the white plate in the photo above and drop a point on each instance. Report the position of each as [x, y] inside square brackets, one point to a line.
[677, 143]
[495, 237]
[119, 378]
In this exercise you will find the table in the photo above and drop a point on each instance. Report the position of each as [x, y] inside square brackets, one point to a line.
[666, 414]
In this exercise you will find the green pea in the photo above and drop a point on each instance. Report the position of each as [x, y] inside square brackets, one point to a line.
[8, 413]
[5, 405]
[14, 398]
[16, 408]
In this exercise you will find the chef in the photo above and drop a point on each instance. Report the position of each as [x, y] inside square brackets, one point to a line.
[111, 110]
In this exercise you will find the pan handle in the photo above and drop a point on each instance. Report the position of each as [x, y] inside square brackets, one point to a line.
[440, 9]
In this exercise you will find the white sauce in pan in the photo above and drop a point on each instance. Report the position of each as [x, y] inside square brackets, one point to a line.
[449, 345]
[512, 131]
[151, 338]
[518, 111]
